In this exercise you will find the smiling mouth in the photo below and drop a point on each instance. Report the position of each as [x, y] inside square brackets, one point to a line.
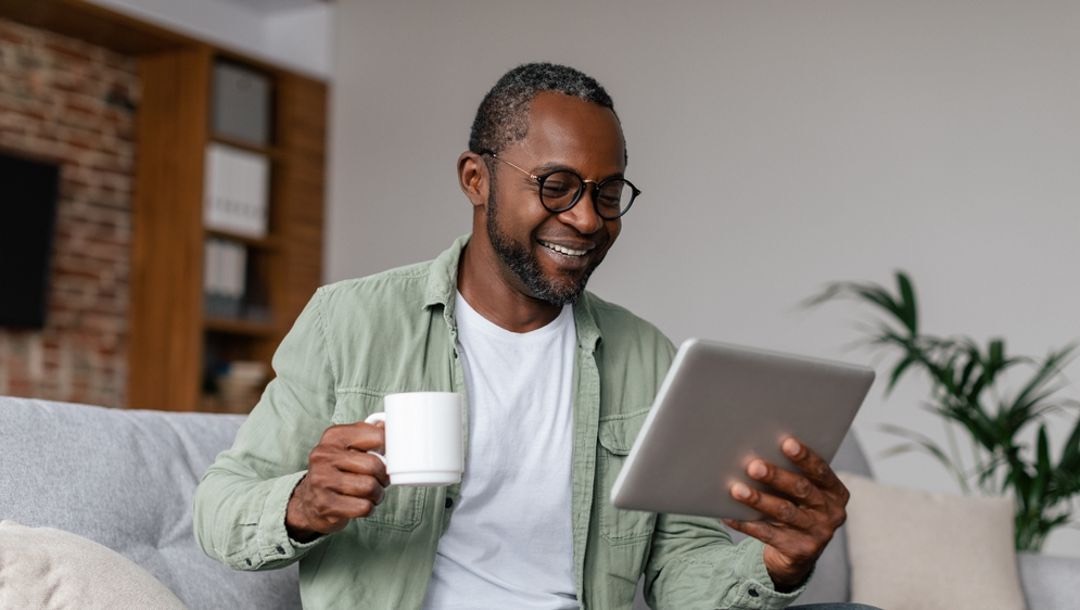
[562, 249]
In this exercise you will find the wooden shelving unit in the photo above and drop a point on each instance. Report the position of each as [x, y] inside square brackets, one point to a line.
[247, 328]
[268, 244]
[268, 151]
[178, 345]
[171, 335]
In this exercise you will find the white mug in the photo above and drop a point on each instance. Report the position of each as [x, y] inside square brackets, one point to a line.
[423, 438]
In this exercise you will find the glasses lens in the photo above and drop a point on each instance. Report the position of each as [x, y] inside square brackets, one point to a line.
[614, 198]
[560, 190]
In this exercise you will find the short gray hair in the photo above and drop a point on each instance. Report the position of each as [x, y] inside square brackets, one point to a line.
[502, 117]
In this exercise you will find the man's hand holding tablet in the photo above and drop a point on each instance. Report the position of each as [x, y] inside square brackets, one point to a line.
[801, 519]
[746, 435]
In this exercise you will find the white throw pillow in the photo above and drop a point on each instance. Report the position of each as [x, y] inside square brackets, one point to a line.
[916, 550]
[41, 567]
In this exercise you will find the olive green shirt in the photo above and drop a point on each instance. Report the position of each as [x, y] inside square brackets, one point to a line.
[358, 340]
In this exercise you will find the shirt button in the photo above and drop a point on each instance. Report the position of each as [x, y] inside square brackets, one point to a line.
[449, 503]
[752, 592]
[280, 550]
[247, 561]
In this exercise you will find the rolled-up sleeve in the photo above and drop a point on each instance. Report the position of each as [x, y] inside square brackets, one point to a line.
[241, 501]
[694, 564]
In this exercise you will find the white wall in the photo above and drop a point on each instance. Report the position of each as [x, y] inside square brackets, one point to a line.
[780, 145]
[302, 36]
[297, 38]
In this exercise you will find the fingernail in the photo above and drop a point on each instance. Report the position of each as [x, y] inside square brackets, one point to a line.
[740, 491]
[791, 447]
[756, 469]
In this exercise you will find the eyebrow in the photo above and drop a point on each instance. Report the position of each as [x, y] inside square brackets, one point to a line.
[547, 168]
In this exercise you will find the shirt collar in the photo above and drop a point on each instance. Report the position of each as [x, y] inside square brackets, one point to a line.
[442, 278]
[441, 289]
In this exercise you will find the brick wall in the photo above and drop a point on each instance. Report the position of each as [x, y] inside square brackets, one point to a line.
[74, 102]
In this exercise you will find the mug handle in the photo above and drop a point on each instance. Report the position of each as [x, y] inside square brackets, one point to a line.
[375, 418]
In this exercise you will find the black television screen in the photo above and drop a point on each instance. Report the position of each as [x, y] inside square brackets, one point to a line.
[28, 194]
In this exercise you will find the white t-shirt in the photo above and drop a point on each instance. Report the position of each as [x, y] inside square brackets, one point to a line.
[510, 539]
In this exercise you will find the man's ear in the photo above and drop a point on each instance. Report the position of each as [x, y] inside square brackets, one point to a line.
[473, 178]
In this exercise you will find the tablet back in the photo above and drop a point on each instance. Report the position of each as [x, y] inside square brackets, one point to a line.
[722, 405]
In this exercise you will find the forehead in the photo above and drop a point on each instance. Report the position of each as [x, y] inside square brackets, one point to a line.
[571, 131]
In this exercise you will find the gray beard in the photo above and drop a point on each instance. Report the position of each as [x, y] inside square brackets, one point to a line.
[525, 266]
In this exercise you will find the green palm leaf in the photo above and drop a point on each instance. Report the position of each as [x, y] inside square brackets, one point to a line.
[909, 314]
[917, 442]
[966, 389]
[1050, 367]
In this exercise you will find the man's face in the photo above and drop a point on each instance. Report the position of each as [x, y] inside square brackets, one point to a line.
[551, 256]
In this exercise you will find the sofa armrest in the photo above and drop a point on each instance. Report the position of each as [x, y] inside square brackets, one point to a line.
[1050, 583]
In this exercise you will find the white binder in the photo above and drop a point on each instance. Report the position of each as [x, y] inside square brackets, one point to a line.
[237, 191]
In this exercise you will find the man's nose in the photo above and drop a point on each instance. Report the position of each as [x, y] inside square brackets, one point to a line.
[583, 216]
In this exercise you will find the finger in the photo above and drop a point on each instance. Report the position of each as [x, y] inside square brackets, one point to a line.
[358, 486]
[337, 507]
[800, 489]
[763, 531]
[362, 463]
[359, 436]
[782, 511]
[815, 468]
[792, 544]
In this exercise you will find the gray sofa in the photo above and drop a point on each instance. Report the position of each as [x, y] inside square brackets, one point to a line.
[125, 479]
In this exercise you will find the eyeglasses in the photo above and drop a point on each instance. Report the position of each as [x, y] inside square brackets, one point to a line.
[561, 189]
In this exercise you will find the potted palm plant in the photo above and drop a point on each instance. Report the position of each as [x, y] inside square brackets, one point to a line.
[968, 392]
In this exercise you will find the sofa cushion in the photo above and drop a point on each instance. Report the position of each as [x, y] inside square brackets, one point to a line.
[42, 567]
[125, 479]
[917, 550]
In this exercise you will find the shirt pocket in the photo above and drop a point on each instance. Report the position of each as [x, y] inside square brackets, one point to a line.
[616, 435]
[402, 508]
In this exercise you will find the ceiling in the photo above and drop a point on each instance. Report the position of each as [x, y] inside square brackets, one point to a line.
[273, 6]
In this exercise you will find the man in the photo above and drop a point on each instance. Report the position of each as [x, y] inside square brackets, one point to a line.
[558, 384]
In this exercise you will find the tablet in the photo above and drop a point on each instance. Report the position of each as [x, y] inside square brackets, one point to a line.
[721, 406]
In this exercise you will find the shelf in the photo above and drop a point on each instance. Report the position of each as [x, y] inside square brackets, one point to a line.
[269, 151]
[213, 403]
[176, 341]
[268, 244]
[248, 328]
[98, 25]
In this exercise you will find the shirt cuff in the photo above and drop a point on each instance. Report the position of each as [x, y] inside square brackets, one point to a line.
[756, 589]
[274, 543]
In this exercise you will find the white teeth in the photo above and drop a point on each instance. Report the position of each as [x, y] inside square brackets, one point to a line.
[564, 250]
